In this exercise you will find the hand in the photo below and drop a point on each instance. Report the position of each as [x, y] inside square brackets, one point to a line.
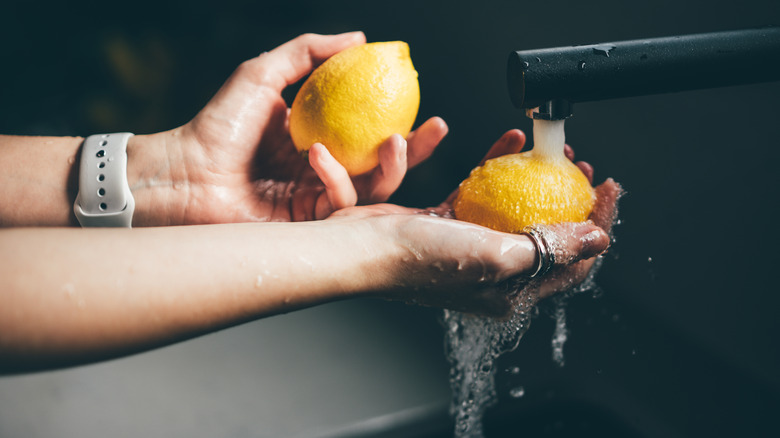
[236, 161]
[462, 266]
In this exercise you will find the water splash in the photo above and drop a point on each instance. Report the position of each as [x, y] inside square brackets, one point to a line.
[561, 333]
[473, 343]
[561, 301]
[517, 392]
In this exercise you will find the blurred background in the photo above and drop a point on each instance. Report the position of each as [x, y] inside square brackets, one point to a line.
[678, 340]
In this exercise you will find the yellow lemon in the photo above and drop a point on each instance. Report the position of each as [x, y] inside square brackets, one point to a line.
[540, 186]
[356, 100]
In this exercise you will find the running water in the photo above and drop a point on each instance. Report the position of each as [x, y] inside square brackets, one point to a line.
[474, 343]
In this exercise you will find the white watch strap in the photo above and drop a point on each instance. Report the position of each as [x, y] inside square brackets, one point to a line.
[104, 198]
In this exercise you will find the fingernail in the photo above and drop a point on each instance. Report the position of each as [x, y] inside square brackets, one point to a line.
[594, 243]
[355, 34]
[401, 147]
[442, 125]
[320, 152]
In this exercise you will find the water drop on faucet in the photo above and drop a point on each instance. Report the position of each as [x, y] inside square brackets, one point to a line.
[603, 49]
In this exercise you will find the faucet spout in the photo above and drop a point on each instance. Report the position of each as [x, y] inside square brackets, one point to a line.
[547, 82]
[555, 109]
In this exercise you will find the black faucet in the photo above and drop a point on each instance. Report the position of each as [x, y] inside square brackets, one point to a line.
[547, 82]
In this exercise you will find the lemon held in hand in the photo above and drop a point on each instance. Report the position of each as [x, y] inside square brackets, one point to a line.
[356, 100]
[540, 186]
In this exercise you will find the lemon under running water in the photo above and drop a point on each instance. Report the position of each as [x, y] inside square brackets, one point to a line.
[356, 100]
[540, 186]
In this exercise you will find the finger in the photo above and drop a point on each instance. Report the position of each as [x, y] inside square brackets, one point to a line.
[303, 204]
[569, 152]
[510, 143]
[423, 140]
[574, 246]
[571, 242]
[296, 58]
[392, 167]
[573, 275]
[586, 169]
[604, 212]
[338, 185]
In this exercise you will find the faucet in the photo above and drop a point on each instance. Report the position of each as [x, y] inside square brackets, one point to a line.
[547, 82]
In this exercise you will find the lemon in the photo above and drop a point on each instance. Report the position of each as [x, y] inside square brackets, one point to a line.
[354, 101]
[540, 186]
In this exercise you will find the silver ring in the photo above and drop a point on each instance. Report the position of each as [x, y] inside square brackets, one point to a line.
[546, 257]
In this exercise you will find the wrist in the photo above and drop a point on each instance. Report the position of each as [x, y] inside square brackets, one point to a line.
[155, 179]
[388, 266]
[367, 253]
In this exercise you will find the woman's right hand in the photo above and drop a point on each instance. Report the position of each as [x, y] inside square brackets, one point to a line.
[443, 262]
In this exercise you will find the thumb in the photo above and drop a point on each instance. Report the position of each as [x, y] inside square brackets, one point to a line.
[296, 58]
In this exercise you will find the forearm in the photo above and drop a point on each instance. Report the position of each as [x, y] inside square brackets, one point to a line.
[74, 296]
[39, 179]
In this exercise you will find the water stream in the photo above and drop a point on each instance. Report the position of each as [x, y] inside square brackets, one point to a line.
[474, 343]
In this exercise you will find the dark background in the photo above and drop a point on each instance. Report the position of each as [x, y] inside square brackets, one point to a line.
[681, 338]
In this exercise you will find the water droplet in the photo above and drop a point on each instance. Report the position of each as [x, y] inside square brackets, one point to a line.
[513, 370]
[649, 260]
[538, 59]
[517, 392]
[581, 65]
[259, 281]
[526, 64]
[603, 49]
